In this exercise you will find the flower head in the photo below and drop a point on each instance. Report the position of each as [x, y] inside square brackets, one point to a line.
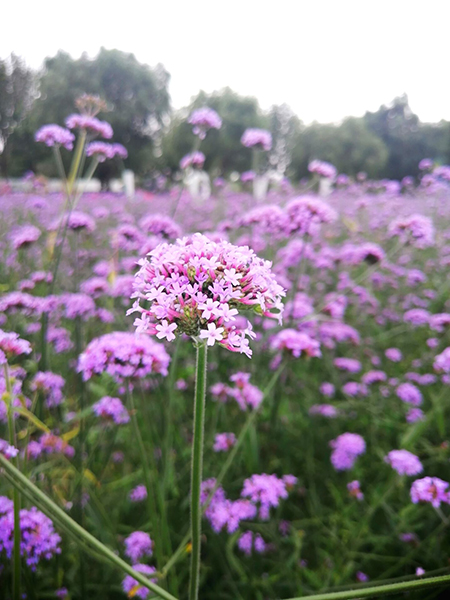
[346, 448]
[200, 286]
[54, 135]
[257, 138]
[404, 462]
[204, 119]
[122, 355]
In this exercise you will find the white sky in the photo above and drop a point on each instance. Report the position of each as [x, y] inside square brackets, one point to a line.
[326, 59]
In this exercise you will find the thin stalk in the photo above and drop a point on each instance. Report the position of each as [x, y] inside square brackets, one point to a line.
[380, 590]
[89, 174]
[60, 167]
[18, 479]
[231, 455]
[16, 496]
[151, 492]
[75, 167]
[197, 466]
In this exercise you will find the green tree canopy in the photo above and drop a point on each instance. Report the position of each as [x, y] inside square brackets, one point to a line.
[223, 149]
[136, 94]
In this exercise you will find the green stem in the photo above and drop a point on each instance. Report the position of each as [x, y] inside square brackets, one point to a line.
[231, 455]
[197, 467]
[75, 167]
[151, 492]
[380, 590]
[16, 496]
[17, 479]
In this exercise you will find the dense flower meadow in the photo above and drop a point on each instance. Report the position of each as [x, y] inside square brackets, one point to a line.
[327, 323]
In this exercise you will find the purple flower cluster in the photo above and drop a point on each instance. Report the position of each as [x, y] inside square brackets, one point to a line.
[133, 588]
[430, 489]
[267, 491]
[246, 394]
[25, 236]
[355, 490]
[257, 138]
[104, 151]
[204, 119]
[224, 442]
[11, 345]
[111, 409]
[296, 343]
[415, 229]
[193, 159]
[196, 287]
[54, 135]
[123, 355]
[322, 168]
[39, 541]
[409, 393]
[138, 545]
[249, 541]
[404, 462]
[346, 449]
[90, 124]
[50, 386]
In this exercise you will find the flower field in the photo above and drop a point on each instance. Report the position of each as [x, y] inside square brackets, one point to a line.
[321, 329]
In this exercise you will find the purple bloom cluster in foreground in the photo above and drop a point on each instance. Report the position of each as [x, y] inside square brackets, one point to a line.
[197, 286]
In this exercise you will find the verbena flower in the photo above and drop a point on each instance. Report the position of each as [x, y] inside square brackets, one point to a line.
[54, 135]
[39, 541]
[11, 345]
[430, 489]
[404, 462]
[416, 229]
[122, 355]
[133, 588]
[196, 159]
[224, 442]
[204, 119]
[322, 168]
[409, 393]
[197, 287]
[296, 343]
[257, 138]
[346, 449]
[249, 541]
[50, 386]
[112, 409]
[104, 151]
[25, 236]
[442, 361]
[325, 410]
[266, 491]
[355, 490]
[138, 494]
[90, 124]
[138, 545]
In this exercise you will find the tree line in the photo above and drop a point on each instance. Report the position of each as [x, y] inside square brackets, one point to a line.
[388, 143]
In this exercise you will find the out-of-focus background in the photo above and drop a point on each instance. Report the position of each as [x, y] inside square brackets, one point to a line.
[362, 85]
